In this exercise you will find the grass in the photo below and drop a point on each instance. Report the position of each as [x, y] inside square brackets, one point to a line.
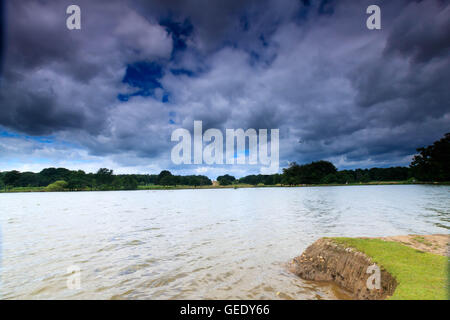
[420, 275]
[234, 186]
[422, 240]
[24, 189]
[158, 187]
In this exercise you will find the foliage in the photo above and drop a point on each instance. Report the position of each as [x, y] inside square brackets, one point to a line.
[264, 179]
[226, 180]
[128, 182]
[59, 185]
[308, 173]
[104, 179]
[433, 162]
[165, 178]
[10, 178]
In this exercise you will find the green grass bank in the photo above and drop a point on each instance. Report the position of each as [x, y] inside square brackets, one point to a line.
[420, 275]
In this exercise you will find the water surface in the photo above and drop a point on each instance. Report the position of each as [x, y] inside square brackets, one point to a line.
[195, 244]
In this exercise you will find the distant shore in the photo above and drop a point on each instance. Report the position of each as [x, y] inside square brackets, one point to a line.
[234, 186]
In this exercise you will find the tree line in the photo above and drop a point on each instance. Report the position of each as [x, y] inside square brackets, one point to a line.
[59, 179]
[321, 172]
[432, 163]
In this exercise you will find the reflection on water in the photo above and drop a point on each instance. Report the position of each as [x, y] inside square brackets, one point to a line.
[195, 244]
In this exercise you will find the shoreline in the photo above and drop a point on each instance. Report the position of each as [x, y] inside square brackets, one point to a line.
[238, 186]
[412, 267]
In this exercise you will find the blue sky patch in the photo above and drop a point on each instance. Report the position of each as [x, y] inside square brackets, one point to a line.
[182, 71]
[142, 75]
[41, 139]
[179, 31]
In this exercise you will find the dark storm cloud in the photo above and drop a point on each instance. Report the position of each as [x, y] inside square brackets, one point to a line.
[56, 79]
[139, 69]
[38, 114]
[421, 32]
[407, 86]
[2, 35]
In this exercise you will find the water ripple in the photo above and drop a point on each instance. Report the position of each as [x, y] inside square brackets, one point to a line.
[195, 244]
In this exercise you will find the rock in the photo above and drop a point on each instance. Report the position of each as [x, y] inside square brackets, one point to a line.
[344, 266]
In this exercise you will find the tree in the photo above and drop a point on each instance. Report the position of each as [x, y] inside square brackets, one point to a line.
[11, 177]
[329, 179]
[310, 173]
[226, 180]
[129, 183]
[78, 180]
[104, 176]
[2, 184]
[27, 179]
[433, 162]
[59, 185]
[164, 177]
[49, 175]
[168, 180]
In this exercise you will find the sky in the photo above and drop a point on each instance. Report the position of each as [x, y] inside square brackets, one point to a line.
[111, 94]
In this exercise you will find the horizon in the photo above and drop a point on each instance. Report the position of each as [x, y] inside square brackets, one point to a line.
[210, 177]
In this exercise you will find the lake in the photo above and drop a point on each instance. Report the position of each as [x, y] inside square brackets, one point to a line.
[195, 244]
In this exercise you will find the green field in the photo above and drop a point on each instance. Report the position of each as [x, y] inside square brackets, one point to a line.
[420, 275]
